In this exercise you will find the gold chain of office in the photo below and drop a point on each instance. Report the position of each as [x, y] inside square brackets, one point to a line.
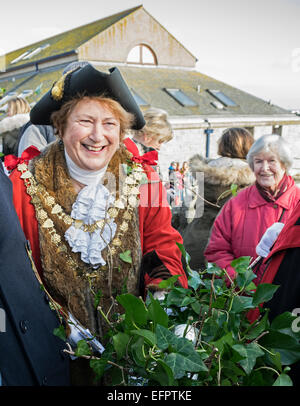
[130, 192]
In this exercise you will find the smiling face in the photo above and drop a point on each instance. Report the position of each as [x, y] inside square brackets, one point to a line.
[92, 134]
[268, 170]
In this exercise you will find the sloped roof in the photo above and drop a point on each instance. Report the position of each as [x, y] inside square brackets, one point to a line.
[67, 41]
[150, 85]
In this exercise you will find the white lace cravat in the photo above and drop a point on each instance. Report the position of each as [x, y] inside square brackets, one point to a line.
[91, 205]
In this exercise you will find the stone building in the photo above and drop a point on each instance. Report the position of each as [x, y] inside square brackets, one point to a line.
[161, 73]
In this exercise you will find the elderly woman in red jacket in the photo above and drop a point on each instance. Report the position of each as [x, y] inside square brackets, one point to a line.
[244, 219]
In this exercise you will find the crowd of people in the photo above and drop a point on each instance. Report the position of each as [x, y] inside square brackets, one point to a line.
[180, 184]
[83, 187]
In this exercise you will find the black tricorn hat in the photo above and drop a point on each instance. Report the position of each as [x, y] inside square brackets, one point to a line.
[90, 82]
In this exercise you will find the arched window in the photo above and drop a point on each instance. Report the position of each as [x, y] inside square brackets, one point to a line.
[142, 55]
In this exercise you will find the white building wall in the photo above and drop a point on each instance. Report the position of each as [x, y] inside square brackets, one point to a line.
[291, 133]
[189, 142]
[262, 130]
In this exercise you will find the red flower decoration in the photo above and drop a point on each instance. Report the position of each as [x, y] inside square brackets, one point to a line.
[11, 161]
[149, 158]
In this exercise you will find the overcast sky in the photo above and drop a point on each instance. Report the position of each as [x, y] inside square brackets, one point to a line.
[250, 44]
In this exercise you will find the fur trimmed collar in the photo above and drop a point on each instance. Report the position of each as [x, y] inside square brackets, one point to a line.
[69, 280]
[220, 175]
[13, 122]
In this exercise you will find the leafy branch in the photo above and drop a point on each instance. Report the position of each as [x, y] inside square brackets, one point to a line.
[217, 346]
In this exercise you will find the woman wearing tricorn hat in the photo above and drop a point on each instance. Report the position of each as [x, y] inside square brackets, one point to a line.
[85, 200]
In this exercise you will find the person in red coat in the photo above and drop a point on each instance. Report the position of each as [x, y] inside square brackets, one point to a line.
[97, 218]
[243, 219]
[282, 268]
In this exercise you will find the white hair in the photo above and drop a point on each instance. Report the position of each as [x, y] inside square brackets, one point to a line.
[271, 143]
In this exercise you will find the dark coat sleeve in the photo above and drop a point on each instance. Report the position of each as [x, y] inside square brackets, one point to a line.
[30, 354]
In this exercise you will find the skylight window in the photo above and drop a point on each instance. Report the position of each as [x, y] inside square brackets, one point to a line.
[181, 97]
[139, 100]
[30, 53]
[21, 56]
[217, 105]
[36, 51]
[221, 97]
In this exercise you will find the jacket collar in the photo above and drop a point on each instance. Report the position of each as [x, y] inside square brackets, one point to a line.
[256, 200]
[289, 236]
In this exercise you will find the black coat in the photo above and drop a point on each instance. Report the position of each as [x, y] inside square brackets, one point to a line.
[283, 269]
[30, 354]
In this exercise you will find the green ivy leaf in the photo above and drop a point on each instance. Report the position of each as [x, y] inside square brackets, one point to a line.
[156, 313]
[283, 380]
[226, 339]
[257, 329]
[233, 189]
[149, 337]
[241, 303]
[82, 348]
[194, 280]
[219, 303]
[214, 269]
[179, 297]
[136, 350]
[168, 283]
[184, 346]
[231, 370]
[241, 264]
[250, 287]
[164, 337]
[287, 346]
[234, 322]
[278, 340]
[185, 255]
[163, 374]
[275, 359]
[284, 324]
[134, 307]
[98, 366]
[120, 342]
[264, 293]
[60, 332]
[126, 256]
[180, 346]
[249, 353]
[245, 278]
[180, 364]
